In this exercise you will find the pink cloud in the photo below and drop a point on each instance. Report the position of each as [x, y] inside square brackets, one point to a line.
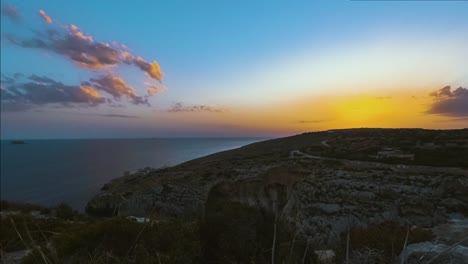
[46, 18]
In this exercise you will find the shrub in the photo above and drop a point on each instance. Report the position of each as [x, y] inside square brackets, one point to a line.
[126, 241]
[65, 212]
[23, 231]
[387, 237]
[232, 232]
[22, 207]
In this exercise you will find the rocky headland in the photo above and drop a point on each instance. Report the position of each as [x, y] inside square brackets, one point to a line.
[323, 183]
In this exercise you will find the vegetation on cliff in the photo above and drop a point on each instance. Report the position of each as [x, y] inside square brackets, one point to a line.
[232, 233]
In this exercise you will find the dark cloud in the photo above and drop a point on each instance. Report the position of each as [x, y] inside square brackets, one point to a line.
[18, 75]
[179, 107]
[83, 50]
[39, 91]
[459, 119]
[7, 80]
[442, 93]
[312, 121]
[11, 12]
[116, 105]
[120, 116]
[450, 103]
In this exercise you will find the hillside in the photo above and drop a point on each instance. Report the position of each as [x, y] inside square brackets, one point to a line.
[322, 182]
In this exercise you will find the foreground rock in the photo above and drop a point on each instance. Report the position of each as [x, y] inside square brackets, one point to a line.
[435, 253]
[321, 196]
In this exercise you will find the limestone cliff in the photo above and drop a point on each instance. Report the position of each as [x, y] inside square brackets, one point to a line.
[299, 178]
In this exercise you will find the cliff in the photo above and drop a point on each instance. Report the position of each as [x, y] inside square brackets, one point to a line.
[323, 183]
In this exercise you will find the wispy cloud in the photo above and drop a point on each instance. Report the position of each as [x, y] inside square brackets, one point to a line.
[450, 103]
[459, 119]
[383, 97]
[84, 53]
[11, 12]
[179, 107]
[154, 89]
[312, 121]
[82, 49]
[44, 16]
[119, 116]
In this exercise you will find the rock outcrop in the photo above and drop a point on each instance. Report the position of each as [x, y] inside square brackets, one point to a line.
[427, 252]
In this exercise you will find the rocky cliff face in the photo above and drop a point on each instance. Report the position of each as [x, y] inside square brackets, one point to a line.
[321, 196]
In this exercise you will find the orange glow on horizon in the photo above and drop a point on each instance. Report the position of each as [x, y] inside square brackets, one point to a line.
[327, 112]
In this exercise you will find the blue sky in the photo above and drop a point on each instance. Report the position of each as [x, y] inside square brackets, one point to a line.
[225, 60]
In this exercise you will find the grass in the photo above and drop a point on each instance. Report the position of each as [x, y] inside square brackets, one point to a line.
[387, 238]
[229, 233]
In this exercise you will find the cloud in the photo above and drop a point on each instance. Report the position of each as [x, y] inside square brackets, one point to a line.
[76, 31]
[458, 119]
[152, 69]
[82, 49]
[39, 91]
[116, 87]
[153, 89]
[11, 12]
[179, 107]
[450, 103]
[75, 45]
[46, 18]
[443, 92]
[119, 116]
[312, 121]
[383, 97]
[18, 75]
[7, 79]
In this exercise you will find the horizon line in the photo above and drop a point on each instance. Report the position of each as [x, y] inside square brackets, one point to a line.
[111, 138]
[228, 137]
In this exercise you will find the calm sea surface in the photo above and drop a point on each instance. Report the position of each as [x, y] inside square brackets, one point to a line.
[49, 172]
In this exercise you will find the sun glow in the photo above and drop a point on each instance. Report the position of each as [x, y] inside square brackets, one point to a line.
[362, 109]
[329, 112]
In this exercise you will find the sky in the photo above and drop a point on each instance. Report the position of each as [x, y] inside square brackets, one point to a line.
[119, 69]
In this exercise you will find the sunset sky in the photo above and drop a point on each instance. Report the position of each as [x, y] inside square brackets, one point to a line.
[107, 69]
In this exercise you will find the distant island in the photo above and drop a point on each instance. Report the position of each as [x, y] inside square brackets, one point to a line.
[17, 142]
[337, 196]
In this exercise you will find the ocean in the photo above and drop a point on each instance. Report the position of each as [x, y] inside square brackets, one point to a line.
[49, 172]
